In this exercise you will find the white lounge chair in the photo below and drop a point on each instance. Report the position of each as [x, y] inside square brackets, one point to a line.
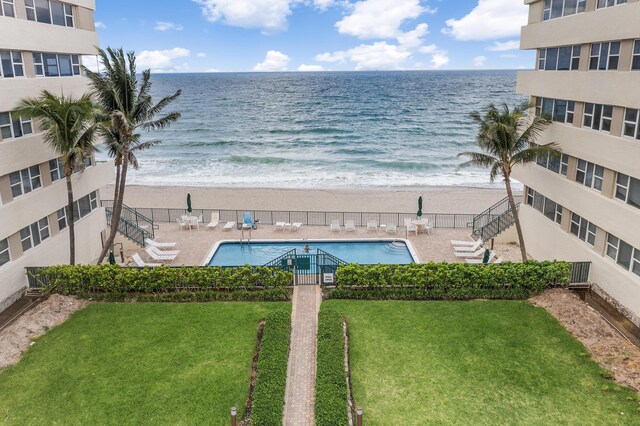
[391, 228]
[410, 226]
[466, 243]
[159, 252]
[279, 226]
[477, 253]
[350, 226]
[296, 226]
[498, 260]
[182, 224]
[141, 263]
[372, 225]
[215, 220]
[229, 226]
[161, 258]
[335, 226]
[157, 244]
[474, 247]
[491, 256]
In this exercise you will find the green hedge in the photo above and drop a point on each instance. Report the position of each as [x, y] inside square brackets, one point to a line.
[271, 380]
[457, 280]
[268, 295]
[116, 279]
[331, 379]
[422, 294]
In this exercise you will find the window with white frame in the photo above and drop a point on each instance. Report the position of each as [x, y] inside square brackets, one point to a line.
[558, 110]
[583, 229]
[62, 218]
[628, 190]
[556, 163]
[635, 59]
[624, 254]
[55, 65]
[559, 58]
[49, 12]
[604, 56]
[14, 127]
[31, 236]
[631, 127]
[609, 3]
[11, 64]
[7, 9]
[598, 117]
[25, 181]
[56, 169]
[5, 256]
[544, 205]
[558, 8]
[590, 174]
[85, 205]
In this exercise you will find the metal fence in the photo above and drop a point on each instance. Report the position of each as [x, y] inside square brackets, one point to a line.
[308, 218]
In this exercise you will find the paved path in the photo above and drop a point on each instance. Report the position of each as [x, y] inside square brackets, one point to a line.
[301, 371]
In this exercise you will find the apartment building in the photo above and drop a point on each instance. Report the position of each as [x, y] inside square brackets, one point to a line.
[41, 47]
[585, 206]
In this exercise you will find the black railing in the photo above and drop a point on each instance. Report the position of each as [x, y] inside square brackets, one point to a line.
[495, 227]
[128, 229]
[580, 272]
[495, 219]
[328, 263]
[282, 261]
[133, 216]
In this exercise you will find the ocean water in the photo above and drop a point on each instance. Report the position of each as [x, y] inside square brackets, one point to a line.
[299, 130]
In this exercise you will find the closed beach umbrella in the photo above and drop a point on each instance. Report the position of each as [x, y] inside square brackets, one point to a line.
[420, 206]
[189, 209]
[485, 258]
[112, 258]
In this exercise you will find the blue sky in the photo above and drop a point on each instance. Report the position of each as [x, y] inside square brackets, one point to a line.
[313, 35]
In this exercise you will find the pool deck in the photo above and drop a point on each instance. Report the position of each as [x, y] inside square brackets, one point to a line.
[196, 245]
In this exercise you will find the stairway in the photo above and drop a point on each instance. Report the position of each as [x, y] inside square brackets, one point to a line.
[495, 220]
[133, 225]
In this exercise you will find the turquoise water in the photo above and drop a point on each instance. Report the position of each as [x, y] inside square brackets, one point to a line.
[373, 252]
[334, 129]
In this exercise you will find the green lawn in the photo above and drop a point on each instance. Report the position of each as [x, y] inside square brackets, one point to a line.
[493, 362]
[142, 363]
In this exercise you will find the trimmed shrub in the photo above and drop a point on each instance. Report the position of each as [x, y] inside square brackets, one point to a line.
[422, 294]
[269, 295]
[271, 379]
[77, 279]
[331, 405]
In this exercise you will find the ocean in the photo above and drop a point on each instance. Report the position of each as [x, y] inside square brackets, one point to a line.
[308, 130]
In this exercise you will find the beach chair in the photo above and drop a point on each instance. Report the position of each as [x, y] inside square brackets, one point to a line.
[157, 244]
[247, 221]
[182, 224]
[350, 226]
[478, 261]
[229, 226]
[279, 226]
[498, 261]
[215, 220]
[410, 226]
[296, 226]
[335, 226]
[466, 243]
[474, 247]
[162, 258]
[141, 263]
[391, 228]
[372, 225]
[159, 252]
[479, 252]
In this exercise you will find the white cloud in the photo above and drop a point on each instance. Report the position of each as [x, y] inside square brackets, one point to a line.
[430, 49]
[163, 60]
[166, 26]
[376, 56]
[413, 39]
[489, 20]
[479, 61]
[201, 55]
[381, 19]
[100, 24]
[269, 15]
[323, 4]
[439, 60]
[213, 70]
[274, 61]
[502, 46]
[304, 67]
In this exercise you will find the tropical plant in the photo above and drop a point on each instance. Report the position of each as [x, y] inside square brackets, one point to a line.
[129, 108]
[507, 139]
[70, 129]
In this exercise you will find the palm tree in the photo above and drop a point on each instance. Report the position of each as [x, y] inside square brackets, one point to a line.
[129, 107]
[69, 128]
[507, 140]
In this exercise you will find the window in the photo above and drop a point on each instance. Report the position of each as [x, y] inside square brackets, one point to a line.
[628, 190]
[605, 56]
[558, 8]
[623, 254]
[590, 175]
[558, 110]
[598, 117]
[583, 229]
[56, 169]
[631, 126]
[13, 127]
[557, 164]
[25, 181]
[609, 3]
[559, 58]
[5, 256]
[49, 12]
[33, 235]
[62, 218]
[544, 205]
[635, 61]
[7, 9]
[52, 65]
[85, 205]
[11, 64]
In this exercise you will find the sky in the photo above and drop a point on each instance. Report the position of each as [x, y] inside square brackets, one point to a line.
[316, 35]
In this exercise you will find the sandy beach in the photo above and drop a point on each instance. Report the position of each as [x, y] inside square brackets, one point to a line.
[436, 199]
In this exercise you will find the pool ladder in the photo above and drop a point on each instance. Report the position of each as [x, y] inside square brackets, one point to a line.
[242, 236]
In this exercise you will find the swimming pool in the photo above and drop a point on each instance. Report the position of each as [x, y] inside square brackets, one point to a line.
[259, 252]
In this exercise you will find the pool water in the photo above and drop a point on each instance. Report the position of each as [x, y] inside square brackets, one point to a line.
[363, 252]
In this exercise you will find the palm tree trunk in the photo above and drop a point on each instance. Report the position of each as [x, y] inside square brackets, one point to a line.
[516, 218]
[116, 190]
[71, 219]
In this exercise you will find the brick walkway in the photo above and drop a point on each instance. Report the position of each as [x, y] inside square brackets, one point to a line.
[301, 371]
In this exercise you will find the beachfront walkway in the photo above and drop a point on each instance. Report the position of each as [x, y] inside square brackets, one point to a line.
[301, 370]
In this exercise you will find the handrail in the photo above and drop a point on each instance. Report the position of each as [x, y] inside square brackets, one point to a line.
[134, 216]
[277, 262]
[128, 228]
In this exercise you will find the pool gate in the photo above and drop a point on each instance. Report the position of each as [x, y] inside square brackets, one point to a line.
[308, 268]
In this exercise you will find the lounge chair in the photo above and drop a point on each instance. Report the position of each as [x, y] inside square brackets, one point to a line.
[372, 225]
[159, 252]
[410, 226]
[498, 260]
[215, 220]
[247, 221]
[474, 247]
[491, 256]
[350, 226]
[141, 263]
[335, 226]
[296, 226]
[182, 224]
[477, 253]
[279, 226]
[162, 258]
[391, 228]
[466, 243]
[157, 244]
[229, 226]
